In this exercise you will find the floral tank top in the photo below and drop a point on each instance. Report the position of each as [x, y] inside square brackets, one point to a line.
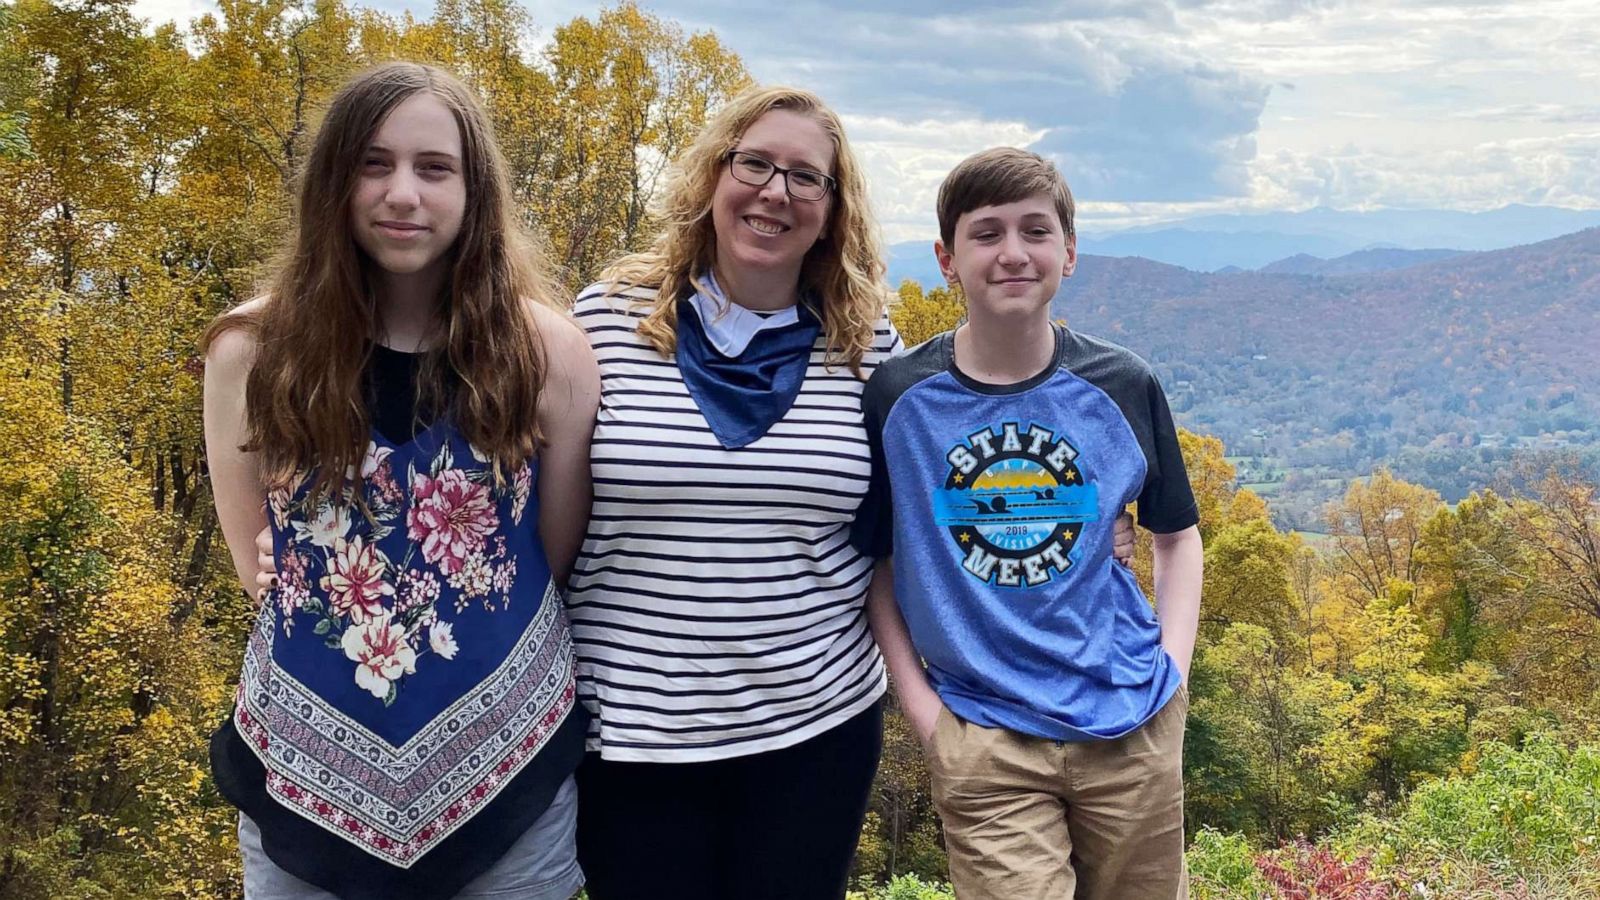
[407, 693]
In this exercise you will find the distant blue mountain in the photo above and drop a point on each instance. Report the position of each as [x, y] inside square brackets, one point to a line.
[1254, 241]
[1207, 251]
[1495, 229]
[914, 260]
[1208, 243]
[1361, 262]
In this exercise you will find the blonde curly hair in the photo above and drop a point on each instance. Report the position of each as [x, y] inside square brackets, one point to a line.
[844, 268]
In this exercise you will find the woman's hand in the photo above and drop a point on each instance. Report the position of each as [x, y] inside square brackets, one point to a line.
[1122, 540]
[266, 566]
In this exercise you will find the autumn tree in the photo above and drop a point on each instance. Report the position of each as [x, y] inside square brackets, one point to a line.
[1556, 523]
[107, 697]
[1409, 722]
[631, 92]
[1473, 593]
[1376, 530]
[919, 316]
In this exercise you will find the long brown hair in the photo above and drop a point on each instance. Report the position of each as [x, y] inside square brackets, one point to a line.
[303, 396]
[845, 269]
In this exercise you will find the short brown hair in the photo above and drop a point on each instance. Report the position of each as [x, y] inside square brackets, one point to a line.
[996, 176]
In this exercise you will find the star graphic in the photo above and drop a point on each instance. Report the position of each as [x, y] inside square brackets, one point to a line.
[959, 478]
[1070, 475]
[965, 537]
[1067, 533]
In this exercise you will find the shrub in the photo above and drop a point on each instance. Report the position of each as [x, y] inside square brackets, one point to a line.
[1222, 867]
[1530, 810]
[905, 887]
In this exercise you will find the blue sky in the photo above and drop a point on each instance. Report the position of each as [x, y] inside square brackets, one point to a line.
[1160, 109]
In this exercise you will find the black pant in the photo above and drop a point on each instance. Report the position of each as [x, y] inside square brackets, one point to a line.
[780, 825]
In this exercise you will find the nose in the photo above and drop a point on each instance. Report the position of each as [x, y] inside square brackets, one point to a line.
[776, 190]
[1012, 252]
[402, 190]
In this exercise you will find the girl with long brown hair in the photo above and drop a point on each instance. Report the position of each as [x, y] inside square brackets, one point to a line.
[409, 415]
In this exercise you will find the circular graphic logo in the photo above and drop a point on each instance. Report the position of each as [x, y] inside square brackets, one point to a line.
[1014, 502]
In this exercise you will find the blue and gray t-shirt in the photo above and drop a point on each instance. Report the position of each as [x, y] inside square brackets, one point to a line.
[998, 503]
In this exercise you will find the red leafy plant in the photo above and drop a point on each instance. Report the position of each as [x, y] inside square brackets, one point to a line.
[1301, 871]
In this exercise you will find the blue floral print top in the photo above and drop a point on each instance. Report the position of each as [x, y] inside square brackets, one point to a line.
[413, 666]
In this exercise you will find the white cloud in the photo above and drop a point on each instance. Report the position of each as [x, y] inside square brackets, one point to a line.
[1557, 170]
[1164, 108]
[906, 161]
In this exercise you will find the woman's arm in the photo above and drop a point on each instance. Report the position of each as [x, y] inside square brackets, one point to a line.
[567, 407]
[1179, 571]
[236, 486]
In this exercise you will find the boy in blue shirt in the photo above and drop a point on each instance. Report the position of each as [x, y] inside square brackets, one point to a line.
[1049, 696]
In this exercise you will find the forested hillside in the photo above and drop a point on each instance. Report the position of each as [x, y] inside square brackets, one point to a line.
[1417, 694]
[1440, 370]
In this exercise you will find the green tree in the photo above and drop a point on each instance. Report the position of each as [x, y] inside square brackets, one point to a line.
[1409, 722]
[1248, 580]
[1268, 738]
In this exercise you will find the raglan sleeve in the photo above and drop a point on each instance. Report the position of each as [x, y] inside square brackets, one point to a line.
[872, 532]
[1166, 504]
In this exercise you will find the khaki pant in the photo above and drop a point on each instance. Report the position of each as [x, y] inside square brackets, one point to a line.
[1033, 819]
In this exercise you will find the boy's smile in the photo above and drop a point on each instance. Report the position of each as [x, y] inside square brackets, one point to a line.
[1009, 258]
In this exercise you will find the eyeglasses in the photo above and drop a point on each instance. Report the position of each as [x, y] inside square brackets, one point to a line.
[801, 184]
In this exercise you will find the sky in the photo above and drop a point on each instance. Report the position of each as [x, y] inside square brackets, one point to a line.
[1160, 109]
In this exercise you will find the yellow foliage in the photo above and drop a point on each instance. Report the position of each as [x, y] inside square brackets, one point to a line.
[918, 316]
[1377, 529]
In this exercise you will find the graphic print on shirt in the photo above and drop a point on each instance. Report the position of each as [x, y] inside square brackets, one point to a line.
[1014, 503]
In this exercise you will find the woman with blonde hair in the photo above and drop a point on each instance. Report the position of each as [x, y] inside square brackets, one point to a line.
[717, 605]
[409, 416]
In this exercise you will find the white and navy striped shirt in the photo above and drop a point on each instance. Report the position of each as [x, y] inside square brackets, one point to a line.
[717, 606]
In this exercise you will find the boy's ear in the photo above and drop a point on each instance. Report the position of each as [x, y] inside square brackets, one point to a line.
[947, 262]
[1072, 256]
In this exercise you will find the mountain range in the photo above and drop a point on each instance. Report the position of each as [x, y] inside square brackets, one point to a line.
[1260, 240]
[1361, 262]
[1459, 356]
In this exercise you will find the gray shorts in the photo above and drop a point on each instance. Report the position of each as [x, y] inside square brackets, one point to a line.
[541, 865]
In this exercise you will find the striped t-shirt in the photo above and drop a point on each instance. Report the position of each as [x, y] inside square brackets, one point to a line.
[718, 606]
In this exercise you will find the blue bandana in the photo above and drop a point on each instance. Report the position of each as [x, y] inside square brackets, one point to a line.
[743, 392]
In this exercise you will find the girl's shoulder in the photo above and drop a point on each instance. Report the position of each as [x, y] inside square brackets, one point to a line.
[559, 335]
[230, 340]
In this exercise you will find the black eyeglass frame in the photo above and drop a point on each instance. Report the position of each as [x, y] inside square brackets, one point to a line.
[829, 183]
